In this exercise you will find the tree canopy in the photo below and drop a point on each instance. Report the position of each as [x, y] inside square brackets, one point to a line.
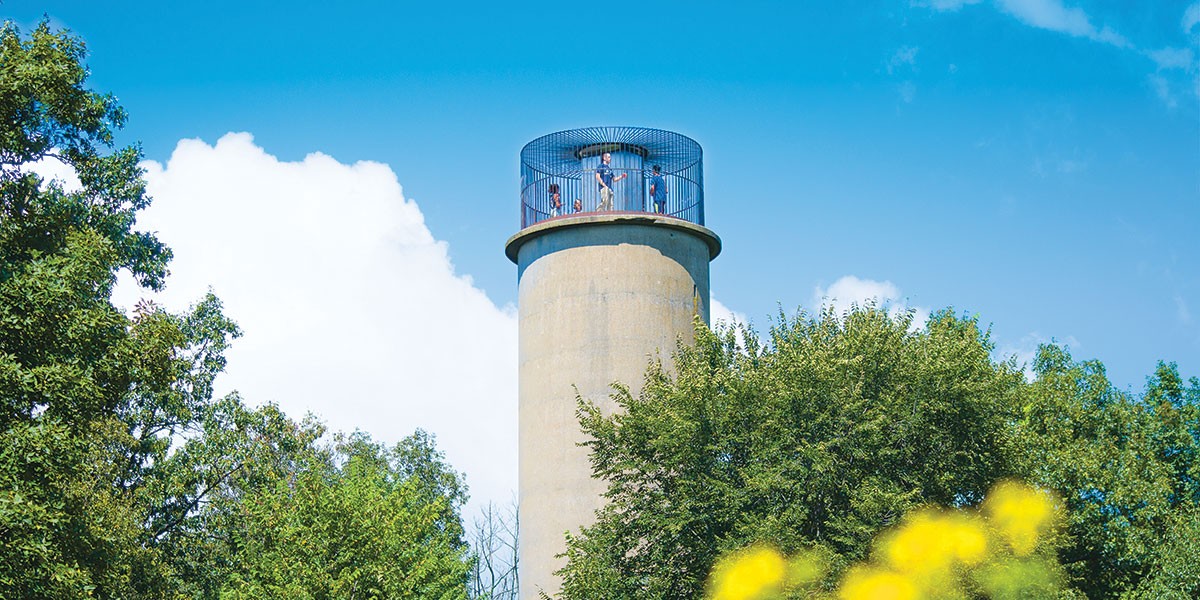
[1126, 467]
[121, 476]
[824, 434]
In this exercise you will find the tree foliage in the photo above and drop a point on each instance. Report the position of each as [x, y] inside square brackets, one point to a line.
[353, 521]
[120, 474]
[1126, 466]
[818, 438]
[75, 370]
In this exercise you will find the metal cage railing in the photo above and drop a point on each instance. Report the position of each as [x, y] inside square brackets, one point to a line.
[560, 171]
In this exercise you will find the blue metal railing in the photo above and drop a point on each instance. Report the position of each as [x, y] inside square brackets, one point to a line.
[558, 174]
[573, 194]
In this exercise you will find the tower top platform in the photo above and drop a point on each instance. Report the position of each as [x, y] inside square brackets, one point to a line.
[562, 174]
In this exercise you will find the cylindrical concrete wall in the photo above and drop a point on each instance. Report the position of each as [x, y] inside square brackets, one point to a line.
[600, 296]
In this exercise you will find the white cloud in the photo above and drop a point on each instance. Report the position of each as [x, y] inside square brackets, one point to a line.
[351, 308]
[904, 59]
[1191, 18]
[1172, 58]
[1167, 59]
[1025, 350]
[1069, 166]
[1053, 16]
[850, 291]
[1181, 310]
[944, 4]
[721, 316]
[719, 313]
[905, 56]
[50, 169]
[1045, 14]
[1162, 89]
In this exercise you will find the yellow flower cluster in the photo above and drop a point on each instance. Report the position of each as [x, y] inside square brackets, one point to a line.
[1020, 513]
[752, 574]
[933, 554]
[762, 573]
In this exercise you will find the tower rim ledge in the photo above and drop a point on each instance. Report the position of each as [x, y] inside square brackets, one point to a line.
[513, 246]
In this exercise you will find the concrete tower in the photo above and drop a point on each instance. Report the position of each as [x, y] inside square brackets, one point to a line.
[606, 284]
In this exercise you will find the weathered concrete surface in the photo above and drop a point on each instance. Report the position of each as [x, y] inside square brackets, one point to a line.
[600, 296]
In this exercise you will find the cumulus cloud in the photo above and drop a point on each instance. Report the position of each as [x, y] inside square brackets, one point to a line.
[719, 313]
[1025, 350]
[351, 307]
[850, 291]
[50, 169]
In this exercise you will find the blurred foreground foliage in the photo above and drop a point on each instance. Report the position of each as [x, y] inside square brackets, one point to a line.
[818, 438]
[1005, 550]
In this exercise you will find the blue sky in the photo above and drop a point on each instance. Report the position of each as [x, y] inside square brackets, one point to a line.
[1035, 162]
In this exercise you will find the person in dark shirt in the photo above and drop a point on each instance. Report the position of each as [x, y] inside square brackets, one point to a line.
[555, 200]
[604, 177]
[658, 191]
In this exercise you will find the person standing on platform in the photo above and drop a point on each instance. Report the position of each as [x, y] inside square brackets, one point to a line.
[555, 200]
[658, 191]
[604, 177]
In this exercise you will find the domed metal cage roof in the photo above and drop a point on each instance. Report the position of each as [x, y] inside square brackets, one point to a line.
[563, 174]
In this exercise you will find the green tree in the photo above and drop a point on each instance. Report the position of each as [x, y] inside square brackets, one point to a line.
[820, 438]
[74, 370]
[87, 501]
[358, 520]
[1175, 573]
[1125, 466]
[205, 481]
[120, 475]
[815, 441]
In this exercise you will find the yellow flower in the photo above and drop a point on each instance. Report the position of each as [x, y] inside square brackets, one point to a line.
[1020, 513]
[873, 584]
[932, 542]
[969, 540]
[754, 573]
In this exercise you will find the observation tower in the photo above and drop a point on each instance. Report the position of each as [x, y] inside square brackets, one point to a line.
[608, 280]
